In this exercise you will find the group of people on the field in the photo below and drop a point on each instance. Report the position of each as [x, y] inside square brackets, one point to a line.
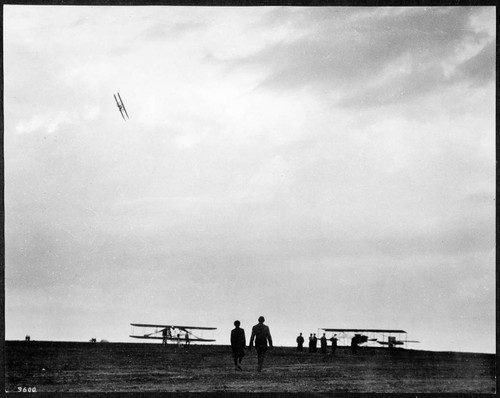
[262, 337]
[313, 343]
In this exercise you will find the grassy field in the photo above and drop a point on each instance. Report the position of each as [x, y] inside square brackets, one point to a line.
[124, 367]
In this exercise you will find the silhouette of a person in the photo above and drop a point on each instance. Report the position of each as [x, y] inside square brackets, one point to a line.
[262, 336]
[300, 342]
[354, 343]
[311, 340]
[334, 343]
[315, 343]
[238, 343]
[323, 344]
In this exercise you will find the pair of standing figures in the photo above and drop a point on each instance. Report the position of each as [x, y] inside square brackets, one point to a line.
[260, 334]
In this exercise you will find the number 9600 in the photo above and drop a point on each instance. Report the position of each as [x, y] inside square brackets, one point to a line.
[26, 389]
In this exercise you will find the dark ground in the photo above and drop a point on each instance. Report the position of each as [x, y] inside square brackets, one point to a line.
[107, 367]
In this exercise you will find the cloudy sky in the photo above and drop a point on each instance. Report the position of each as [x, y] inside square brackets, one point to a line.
[323, 167]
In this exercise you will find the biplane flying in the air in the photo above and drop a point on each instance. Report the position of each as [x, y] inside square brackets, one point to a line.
[369, 336]
[121, 106]
[174, 333]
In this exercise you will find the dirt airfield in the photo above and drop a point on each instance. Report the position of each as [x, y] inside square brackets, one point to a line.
[136, 367]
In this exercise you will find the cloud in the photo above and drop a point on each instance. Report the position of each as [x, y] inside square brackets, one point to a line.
[171, 30]
[45, 124]
[370, 57]
[480, 69]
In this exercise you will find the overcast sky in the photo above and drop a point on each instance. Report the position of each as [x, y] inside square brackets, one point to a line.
[323, 167]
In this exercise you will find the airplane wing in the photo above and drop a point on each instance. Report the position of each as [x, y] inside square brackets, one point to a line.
[391, 343]
[120, 107]
[364, 330]
[168, 338]
[123, 106]
[397, 342]
[147, 325]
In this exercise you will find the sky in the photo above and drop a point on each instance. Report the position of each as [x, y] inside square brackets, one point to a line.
[325, 167]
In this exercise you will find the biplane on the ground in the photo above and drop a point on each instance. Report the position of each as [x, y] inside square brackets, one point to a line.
[173, 333]
[369, 337]
[392, 342]
[121, 106]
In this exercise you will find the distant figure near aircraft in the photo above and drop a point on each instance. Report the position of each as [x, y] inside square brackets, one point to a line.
[315, 343]
[27, 338]
[354, 343]
[323, 343]
[178, 340]
[334, 343]
[311, 340]
[93, 340]
[121, 106]
[165, 336]
[186, 339]
[300, 342]
[262, 336]
[238, 343]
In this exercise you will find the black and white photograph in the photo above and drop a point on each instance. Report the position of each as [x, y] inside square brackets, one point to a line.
[249, 198]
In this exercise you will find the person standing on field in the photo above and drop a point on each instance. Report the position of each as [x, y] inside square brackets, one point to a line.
[334, 343]
[323, 344]
[354, 343]
[262, 336]
[300, 342]
[238, 343]
[314, 343]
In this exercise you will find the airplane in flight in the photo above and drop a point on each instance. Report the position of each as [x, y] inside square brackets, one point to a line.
[173, 333]
[121, 106]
